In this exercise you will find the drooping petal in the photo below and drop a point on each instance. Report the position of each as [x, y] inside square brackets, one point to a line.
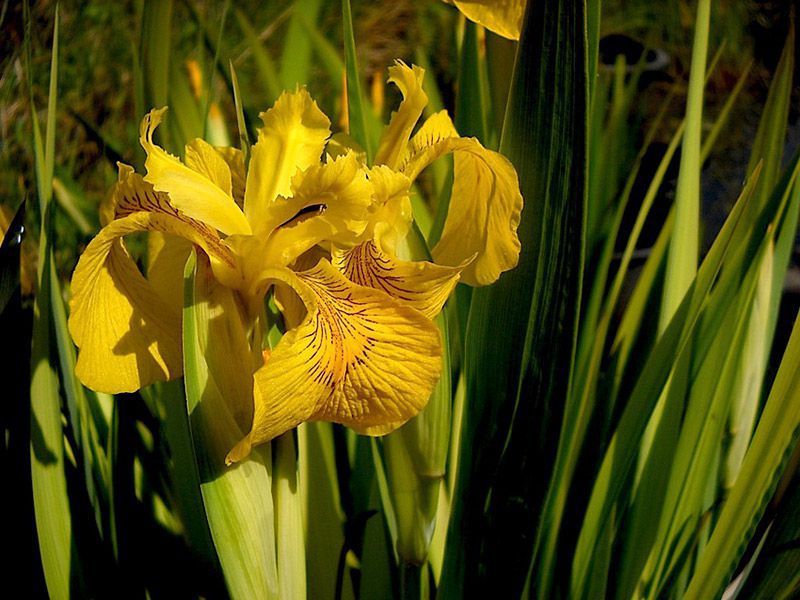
[423, 148]
[393, 143]
[359, 358]
[422, 285]
[485, 203]
[291, 140]
[132, 194]
[330, 203]
[128, 336]
[191, 191]
[503, 17]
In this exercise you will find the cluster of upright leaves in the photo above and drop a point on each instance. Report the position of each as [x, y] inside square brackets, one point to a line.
[675, 428]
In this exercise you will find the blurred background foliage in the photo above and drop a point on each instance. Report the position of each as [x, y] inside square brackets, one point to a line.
[99, 121]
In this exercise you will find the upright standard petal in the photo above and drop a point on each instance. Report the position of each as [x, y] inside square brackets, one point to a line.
[391, 212]
[196, 193]
[422, 285]
[235, 160]
[359, 358]
[503, 17]
[394, 140]
[292, 139]
[128, 336]
[203, 158]
[485, 204]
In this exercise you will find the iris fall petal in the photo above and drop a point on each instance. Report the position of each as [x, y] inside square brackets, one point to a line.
[137, 340]
[420, 284]
[359, 358]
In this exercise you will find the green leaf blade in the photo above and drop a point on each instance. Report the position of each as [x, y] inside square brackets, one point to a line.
[359, 120]
[518, 381]
[237, 500]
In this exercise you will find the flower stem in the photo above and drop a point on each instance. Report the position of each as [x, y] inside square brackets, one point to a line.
[410, 581]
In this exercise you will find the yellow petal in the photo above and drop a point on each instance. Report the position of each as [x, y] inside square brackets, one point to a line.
[203, 158]
[190, 191]
[167, 254]
[340, 144]
[391, 206]
[330, 203]
[132, 194]
[287, 300]
[503, 17]
[166, 258]
[291, 140]
[423, 285]
[359, 358]
[393, 143]
[485, 203]
[422, 149]
[128, 336]
[235, 159]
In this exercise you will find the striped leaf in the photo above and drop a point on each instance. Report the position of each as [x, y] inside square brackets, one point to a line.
[521, 332]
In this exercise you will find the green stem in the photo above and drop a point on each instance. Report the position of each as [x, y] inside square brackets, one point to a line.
[410, 581]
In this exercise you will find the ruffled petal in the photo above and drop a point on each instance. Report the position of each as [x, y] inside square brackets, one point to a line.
[127, 334]
[503, 17]
[340, 144]
[485, 204]
[235, 160]
[190, 191]
[393, 143]
[359, 358]
[422, 285]
[330, 203]
[292, 139]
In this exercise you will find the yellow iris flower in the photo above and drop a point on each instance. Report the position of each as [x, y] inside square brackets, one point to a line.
[503, 17]
[309, 220]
